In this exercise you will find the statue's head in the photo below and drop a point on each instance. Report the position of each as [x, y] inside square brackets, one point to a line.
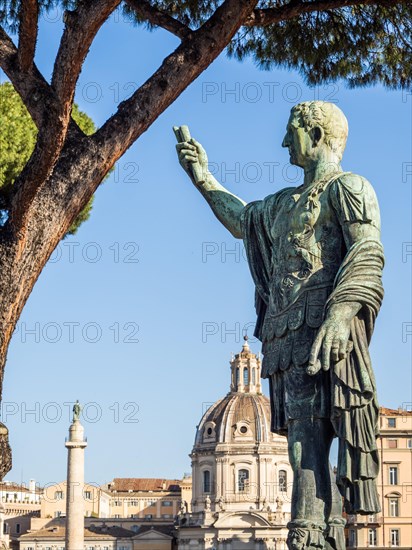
[313, 127]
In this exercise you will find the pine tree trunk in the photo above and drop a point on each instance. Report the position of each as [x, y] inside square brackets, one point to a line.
[43, 209]
[23, 255]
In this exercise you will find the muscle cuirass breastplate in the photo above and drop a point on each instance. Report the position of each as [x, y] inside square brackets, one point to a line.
[308, 249]
[308, 246]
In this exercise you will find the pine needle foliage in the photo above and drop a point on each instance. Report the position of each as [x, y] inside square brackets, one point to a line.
[360, 44]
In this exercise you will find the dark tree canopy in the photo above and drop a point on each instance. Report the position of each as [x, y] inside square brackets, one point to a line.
[361, 42]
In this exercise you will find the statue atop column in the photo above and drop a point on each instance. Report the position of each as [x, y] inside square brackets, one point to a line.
[77, 409]
[316, 259]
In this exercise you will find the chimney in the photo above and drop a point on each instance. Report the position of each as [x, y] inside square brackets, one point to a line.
[32, 485]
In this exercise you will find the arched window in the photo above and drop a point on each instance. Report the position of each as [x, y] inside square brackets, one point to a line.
[237, 375]
[206, 481]
[243, 480]
[283, 480]
[246, 377]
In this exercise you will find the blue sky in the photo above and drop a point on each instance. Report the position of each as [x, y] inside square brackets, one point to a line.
[137, 315]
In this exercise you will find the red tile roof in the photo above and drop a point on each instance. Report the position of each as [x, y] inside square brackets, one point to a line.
[384, 411]
[137, 484]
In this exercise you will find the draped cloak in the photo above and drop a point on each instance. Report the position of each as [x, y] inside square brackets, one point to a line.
[353, 408]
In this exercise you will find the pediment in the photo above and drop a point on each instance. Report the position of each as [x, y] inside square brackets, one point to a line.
[152, 535]
[242, 520]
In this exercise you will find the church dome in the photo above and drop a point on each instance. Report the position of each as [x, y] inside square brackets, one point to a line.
[241, 474]
[243, 415]
[235, 418]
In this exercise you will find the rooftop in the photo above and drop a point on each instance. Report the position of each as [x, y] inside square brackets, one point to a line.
[384, 411]
[139, 484]
[58, 531]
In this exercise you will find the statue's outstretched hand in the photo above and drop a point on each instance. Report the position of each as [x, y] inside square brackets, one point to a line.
[193, 159]
[332, 341]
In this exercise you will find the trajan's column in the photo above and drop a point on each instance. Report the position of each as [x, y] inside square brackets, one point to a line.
[75, 444]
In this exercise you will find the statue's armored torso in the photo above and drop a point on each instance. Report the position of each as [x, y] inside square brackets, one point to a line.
[307, 245]
[307, 250]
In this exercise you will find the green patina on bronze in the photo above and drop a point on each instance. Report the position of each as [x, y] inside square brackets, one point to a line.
[316, 259]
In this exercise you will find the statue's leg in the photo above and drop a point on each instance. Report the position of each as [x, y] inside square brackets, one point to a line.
[335, 538]
[309, 443]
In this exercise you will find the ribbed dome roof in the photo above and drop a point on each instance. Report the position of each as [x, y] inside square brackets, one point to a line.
[237, 418]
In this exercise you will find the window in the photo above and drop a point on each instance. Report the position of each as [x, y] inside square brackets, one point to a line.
[394, 537]
[246, 377]
[18, 528]
[134, 502]
[253, 376]
[352, 537]
[372, 518]
[149, 516]
[283, 480]
[243, 429]
[88, 495]
[372, 537]
[206, 481]
[391, 422]
[57, 514]
[409, 444]
[117, 516]
[167, 503]
[243, 480]
[237, 375]
[166, 516]
[392, 443]
[58, 495]
[394, 507]
[393, 475]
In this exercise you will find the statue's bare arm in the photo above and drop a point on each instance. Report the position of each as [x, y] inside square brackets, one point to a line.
[226, 206]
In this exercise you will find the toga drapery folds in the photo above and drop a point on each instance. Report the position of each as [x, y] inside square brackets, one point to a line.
[353, 403]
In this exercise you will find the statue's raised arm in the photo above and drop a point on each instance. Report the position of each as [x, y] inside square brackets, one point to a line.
[226, 206]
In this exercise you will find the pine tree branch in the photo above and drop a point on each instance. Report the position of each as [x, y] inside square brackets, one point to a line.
[158, 18]
[269, 16]
[81, 27]
[80, 30]
[33, 89]
[29, 14]
[178, 70]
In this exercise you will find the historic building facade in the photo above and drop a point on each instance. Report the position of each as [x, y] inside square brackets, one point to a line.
[241, 476]
[143, 498]
[392, 527]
